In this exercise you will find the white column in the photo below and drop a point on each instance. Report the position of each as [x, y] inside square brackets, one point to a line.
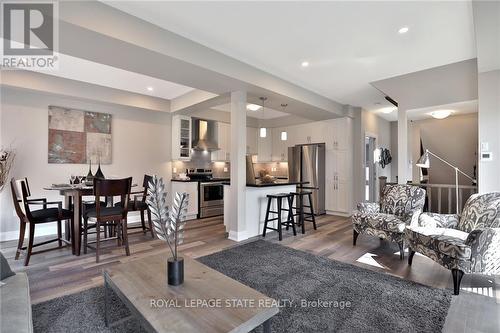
[402, 145]
[237, 223]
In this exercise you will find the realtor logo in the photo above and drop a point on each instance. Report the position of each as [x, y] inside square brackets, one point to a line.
[29, 35]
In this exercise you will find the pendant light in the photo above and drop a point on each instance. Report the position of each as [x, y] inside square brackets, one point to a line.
[284, 134]
[263, 130]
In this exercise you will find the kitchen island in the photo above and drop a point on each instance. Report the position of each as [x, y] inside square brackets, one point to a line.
[256, 205]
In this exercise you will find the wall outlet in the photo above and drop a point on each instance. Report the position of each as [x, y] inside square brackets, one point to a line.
[485, 146]
[225, 169]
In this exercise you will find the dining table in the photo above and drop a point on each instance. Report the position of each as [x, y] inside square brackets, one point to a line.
[73, 199]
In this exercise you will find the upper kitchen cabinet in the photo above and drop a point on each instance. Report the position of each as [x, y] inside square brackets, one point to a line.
[181, 137]
[279, 146]
[224, 143]
[337, 134]
[265, 147]
[252, 145]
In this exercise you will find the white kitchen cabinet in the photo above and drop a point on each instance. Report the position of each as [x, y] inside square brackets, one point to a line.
[191, 188]
[279, 147]
[338, 181]
[252, 145]
[181, 137]
[337, 133]
[265, 147]
[223, 142]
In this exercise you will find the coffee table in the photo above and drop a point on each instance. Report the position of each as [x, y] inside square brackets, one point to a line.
[207, 301]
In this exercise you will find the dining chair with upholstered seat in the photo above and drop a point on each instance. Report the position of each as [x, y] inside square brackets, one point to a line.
[115, 216]
[137, 203]
[23, 205]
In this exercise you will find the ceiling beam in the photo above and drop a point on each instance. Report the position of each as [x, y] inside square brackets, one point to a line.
[103, 34]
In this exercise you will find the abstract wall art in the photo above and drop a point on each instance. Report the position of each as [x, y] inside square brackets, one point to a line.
[77, 136]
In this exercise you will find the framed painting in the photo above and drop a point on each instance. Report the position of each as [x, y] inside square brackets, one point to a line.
[78, 136]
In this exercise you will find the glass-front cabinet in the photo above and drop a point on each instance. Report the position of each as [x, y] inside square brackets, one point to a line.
[181, 137]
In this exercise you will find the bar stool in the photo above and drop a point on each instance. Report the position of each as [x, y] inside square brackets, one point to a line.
[300, 211]
[279, 203]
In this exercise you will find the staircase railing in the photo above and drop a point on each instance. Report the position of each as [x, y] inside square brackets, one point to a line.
[440, 198]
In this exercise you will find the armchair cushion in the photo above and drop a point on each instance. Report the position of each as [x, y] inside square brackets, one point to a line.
[450, 242]
[402, 200]
[434, 220]
[379, 221]
[485, 246]
[481, 211]
[368, 207]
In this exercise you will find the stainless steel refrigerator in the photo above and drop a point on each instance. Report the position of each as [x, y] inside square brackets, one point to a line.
[306, 163]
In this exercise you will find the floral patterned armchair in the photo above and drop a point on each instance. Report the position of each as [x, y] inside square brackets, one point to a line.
[469, 243]
[398, 206]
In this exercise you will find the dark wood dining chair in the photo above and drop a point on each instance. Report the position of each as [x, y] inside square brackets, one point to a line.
[137, 203]
[22, 203]
[115, 216]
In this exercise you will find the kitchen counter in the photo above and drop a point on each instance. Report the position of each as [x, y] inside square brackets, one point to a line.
[213, 180]
[278, 183]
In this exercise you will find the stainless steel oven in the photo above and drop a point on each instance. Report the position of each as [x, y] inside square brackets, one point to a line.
[211, 199]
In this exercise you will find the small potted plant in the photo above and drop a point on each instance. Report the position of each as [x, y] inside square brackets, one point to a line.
[168, 225]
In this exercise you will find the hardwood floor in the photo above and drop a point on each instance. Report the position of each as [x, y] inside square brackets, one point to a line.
[57, 273]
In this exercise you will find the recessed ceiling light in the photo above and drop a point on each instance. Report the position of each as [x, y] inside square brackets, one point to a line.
[441, 114]
[403, 30]
[150, 88]
[253, 107]
[388, 109]
[305, 64]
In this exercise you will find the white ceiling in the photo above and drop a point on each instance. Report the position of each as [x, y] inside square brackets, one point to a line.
[348, 44]
[103, 75]
[425, 113]
[267, 114]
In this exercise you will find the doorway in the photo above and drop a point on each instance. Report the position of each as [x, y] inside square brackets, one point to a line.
[370, 169]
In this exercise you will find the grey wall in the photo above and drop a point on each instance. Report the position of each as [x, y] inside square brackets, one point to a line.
[141, 144]
[454, 139]
[368, 123]
[489, 125]
[394, 151]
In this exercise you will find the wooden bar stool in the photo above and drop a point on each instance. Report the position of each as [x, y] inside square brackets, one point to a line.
[300, 211]
[279, 203]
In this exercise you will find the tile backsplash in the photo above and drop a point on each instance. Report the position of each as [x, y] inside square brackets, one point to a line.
[201, 160]
[276, 169]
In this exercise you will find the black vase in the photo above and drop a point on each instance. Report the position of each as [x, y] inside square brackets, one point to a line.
[175, 271]
[98, 173]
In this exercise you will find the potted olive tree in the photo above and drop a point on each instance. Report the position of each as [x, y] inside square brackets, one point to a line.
[168, 225]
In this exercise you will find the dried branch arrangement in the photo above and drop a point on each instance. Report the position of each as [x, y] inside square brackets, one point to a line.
[168, 223]
[6, 160]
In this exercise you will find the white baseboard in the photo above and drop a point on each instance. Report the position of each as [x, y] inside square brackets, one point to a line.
[238, 236]
[330, 212]
[49, 229]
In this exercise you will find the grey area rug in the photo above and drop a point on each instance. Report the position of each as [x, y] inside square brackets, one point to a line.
[378, 302]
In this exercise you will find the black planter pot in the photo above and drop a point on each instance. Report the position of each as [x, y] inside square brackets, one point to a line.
[175, 271]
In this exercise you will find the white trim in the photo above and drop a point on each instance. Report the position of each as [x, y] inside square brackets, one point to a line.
[238, 236]
[331, 212]
[48, 229]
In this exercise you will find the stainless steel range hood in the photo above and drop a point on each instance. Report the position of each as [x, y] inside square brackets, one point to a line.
[204, 135]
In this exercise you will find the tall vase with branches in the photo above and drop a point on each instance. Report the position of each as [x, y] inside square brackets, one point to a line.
[6, 161]
[169, 224]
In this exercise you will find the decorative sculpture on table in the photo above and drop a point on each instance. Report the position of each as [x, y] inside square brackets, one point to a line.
[169, 225]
